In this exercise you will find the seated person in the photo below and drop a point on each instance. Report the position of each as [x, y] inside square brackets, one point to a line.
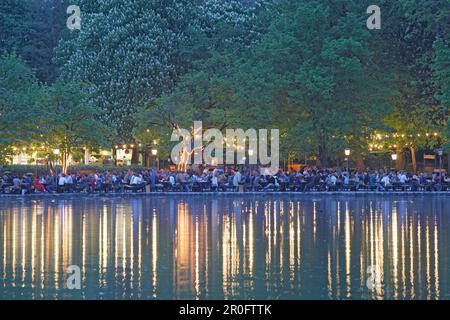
[272, 184]
[137, 182]
[373, 182]
[214, 183]
[386, 181]
[16, 185]
[27, 183]
[331, 181]
[402, 178]
[69, 183]
[61, 183]
[38, 186]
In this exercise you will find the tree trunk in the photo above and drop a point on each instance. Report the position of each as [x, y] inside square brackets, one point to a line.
[50, 167]
[87, 156]
[413, 158]
[448, 162]
[65, 164]
[318, 162]
[360, 165]
[147, 159]
[323, 158]
[135, 156]
[400, 163]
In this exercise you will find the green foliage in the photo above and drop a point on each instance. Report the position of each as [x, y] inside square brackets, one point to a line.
[45, 19]
[130, 52]
[70, 123]
[419, 61]
[315, 71]
[56, 117]
[307, 74]
[12, 25]
[441, 70]
[20, 101]
[31, 29]
[141, 68]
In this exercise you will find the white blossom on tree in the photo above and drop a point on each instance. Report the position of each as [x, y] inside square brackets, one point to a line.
[129, 52]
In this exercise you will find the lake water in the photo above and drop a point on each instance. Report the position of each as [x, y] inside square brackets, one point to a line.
[226, 247]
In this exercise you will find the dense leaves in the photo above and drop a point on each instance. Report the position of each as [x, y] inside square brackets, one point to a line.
[45, 117]
[131, 52]
[31, 29]
[137, 69]
[20, 100]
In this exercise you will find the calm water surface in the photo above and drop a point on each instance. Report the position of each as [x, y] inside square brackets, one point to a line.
[246, 247]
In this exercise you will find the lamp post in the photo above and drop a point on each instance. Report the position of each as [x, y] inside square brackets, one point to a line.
[141, 154]
[56, 153]
[347, 152]
[394, 157]
[250, 157]
[154, 153]
[440, 153]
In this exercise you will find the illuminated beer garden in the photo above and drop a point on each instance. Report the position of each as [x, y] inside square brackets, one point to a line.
[224, 149]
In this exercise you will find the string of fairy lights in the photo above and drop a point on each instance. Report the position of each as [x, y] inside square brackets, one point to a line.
[382, 141]
[376, 142]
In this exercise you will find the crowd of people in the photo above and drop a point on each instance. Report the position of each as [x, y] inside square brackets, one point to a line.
[306, 179]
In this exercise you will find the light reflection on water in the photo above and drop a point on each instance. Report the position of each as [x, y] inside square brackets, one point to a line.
[268, 247]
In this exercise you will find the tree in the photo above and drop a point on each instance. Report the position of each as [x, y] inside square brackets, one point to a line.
[45, 20]
[72, 124]
[12, 24]
[310, 71]
[207, 95]
[131, 52]
[409, 42]
[31, 29]
[314, 74]
[20, 103]
[208, 91]
[45, 118]
[441, 72]
[127, 52]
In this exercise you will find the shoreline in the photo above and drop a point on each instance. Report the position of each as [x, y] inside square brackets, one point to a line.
[221, 194]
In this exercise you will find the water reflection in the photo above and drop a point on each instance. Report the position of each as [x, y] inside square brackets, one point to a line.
[230, 247]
